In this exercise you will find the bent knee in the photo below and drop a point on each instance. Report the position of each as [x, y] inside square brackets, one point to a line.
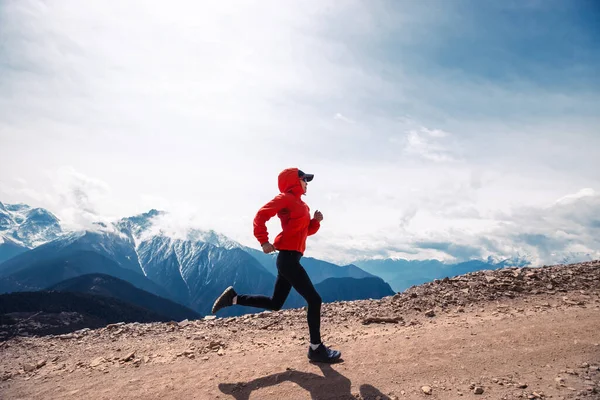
[316, 300]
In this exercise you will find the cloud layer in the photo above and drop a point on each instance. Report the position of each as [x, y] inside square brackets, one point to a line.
[433, 130]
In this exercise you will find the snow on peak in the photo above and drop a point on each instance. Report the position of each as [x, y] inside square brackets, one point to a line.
[28, 226]
[212, 237]
[154, 223]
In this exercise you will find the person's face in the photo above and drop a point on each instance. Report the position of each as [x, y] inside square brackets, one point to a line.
[304, 184]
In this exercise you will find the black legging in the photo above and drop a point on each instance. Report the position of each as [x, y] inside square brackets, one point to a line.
[290, 274]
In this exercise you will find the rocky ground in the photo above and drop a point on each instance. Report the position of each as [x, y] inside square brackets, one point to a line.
[527, 333]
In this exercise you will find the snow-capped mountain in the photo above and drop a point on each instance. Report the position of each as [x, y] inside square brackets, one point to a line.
[23, 228]
[141, 227]
[26, 226]
[572, 257]
[518, 260]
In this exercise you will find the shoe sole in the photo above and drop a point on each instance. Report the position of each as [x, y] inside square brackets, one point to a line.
[230, 288]
[328, 361]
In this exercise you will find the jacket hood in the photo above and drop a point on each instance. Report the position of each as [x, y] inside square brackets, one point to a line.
[289, 182]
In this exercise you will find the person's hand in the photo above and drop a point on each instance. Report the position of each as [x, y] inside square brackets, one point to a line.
[318, 216]
[268, 248]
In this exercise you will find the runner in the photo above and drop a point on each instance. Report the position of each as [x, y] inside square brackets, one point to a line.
[291, 242]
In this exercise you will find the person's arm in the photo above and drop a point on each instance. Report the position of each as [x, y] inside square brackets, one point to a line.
[267, 212]
[315, 223]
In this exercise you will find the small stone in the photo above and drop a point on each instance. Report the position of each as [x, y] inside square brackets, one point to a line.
[210, 317]
[478, 390]
[129, 357]
[40, 364]
[96, 361]
[426, 389]
[220, 352]
[205, 358]
[430, 313]
[522, 386]
[29, 367]
[184, 323]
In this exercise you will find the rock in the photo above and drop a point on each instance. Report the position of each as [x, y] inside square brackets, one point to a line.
[29, 367]
[478, 390]
[522, 386]
[97, 361]
[40, 364]
[184, 323]
[214, 345]
[430, 313]
[220, 352]
[129, 357]
[68, 336]
[426, 389]
[210, 317]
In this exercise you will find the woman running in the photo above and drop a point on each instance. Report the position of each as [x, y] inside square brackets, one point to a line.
[291, 242]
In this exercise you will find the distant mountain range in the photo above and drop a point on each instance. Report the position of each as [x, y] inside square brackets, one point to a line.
[192, 271]
[36, 252]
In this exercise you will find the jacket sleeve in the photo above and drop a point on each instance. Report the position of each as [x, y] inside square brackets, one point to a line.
[267, 212]
[313, 227]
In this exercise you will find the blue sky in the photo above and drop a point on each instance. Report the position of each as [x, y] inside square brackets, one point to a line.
[437, 129]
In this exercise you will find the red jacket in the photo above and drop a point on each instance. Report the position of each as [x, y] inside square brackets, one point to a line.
[293, 213]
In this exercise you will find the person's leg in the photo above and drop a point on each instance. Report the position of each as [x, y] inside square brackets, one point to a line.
[288, 265]
[280, 293]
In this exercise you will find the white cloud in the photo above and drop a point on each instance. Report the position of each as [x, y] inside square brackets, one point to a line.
[428, 144]
[571, 198]
[340, 117]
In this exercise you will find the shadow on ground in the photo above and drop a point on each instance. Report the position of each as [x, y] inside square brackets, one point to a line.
[331, 385]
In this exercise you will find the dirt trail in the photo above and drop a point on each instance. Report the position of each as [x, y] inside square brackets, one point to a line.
[533, 346]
